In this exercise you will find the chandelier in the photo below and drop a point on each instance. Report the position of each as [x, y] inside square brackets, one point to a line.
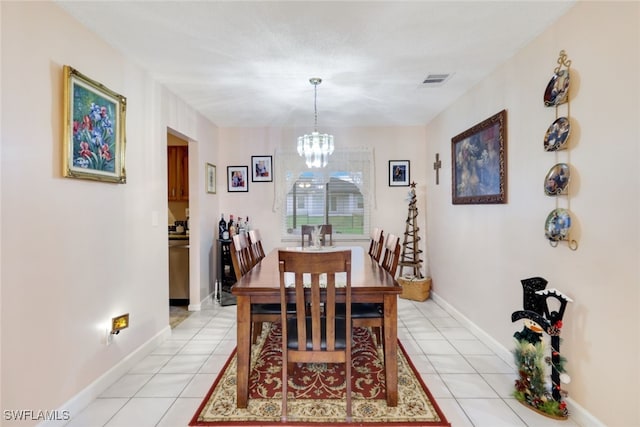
[315, 147]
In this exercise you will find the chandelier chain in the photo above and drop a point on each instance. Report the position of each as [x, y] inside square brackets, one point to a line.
[315, 106]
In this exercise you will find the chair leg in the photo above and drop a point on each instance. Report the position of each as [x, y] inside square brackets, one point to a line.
[285, 383]
[377, 331]
[348, 392]
[256, 331]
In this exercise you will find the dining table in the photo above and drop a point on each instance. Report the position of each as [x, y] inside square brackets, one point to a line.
[370, 283]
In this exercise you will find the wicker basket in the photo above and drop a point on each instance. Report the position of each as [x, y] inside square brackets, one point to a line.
[414, 288]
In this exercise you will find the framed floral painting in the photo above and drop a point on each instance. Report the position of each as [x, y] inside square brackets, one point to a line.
[94, 129]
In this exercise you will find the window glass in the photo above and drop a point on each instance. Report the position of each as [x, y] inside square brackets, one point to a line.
[339, 194]
[338, 202]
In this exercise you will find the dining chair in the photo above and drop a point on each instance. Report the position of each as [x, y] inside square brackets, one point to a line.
[391, 254]
[315, 334]
[376, 244]
[306, 231]
[371, 315]
[255, 244]
[243, 261]
[241, 258]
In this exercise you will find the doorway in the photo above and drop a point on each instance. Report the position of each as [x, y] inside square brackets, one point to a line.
[178, 226]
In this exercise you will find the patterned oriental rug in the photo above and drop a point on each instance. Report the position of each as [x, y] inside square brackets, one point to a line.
[316, 391]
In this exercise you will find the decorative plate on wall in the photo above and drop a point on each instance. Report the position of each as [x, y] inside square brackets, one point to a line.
[557, 225]
[557, 89]
[556, 137]
[557, 180]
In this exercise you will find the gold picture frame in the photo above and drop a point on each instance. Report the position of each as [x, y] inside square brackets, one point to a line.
[210, 178]
[94, 130]
[479, 163]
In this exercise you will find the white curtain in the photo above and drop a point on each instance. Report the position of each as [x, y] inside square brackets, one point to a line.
[358, 162]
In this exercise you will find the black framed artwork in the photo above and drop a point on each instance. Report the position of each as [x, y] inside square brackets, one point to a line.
[399, 173]
[237, 179]
[261, 168]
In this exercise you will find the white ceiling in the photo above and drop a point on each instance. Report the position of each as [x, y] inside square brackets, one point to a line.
[248, 63]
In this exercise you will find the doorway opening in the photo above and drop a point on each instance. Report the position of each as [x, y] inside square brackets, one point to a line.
[178, 226]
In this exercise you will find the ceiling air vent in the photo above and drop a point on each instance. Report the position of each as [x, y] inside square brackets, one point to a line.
[436, 79]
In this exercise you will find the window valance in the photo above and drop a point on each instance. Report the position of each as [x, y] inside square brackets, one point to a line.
[357, 163]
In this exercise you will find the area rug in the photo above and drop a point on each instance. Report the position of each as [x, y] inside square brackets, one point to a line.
[316, 391]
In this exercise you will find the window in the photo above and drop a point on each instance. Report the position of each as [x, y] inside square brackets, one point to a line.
[338, 202]
[339, 194]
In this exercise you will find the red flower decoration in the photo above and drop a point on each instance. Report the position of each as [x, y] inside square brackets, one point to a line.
[84, 149]
[104, 152]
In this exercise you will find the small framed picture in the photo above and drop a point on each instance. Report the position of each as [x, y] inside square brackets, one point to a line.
[210, 178]
[399, 173]
[261, 169]
[237, 178]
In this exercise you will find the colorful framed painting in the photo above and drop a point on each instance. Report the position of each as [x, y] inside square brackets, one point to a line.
[94, 130]
[479, 162]
[399, 173]
[261, 169]
[237, 178]
[210, 178]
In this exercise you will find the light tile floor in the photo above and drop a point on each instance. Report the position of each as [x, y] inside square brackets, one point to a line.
[471, 384]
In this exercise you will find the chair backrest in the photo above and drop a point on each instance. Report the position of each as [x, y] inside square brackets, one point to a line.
[255, 244]
[240, 255]
[316, 334]
[307, 231]
[376, 244]
[391, 254]
[315, 278]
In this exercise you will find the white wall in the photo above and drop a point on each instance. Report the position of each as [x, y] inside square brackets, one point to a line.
[237, 145]
[74, 253]
[479, 253]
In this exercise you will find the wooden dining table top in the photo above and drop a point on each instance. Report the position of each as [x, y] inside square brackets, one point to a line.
[366, 274]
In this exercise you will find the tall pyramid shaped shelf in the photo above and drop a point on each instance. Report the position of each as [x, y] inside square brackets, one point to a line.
[414, 285]
[410, 251]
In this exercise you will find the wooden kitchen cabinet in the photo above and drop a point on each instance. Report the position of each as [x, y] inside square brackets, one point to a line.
[178, 173]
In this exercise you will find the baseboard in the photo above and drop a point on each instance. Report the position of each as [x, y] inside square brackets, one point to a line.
[576, 412]
[81, 400]
[501, 351]
[208, 299]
